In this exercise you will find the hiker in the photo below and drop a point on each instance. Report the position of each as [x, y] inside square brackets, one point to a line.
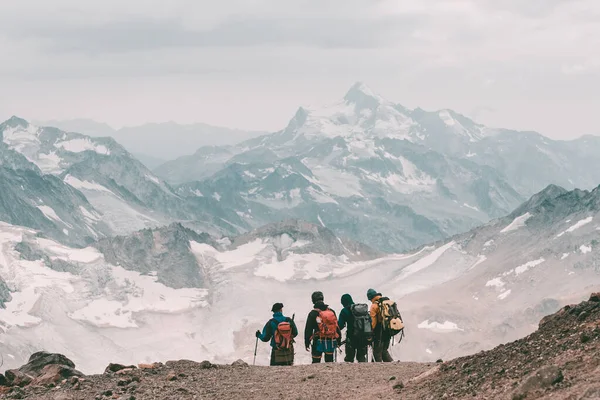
[381, 337]
[281, 331]
[322, 331]
[359, 333]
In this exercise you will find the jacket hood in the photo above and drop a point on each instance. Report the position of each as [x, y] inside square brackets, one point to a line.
[321, 306]
[376, 298]
[347, 300]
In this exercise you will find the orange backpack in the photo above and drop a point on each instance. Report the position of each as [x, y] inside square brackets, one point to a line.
[328, 324]
[283, 335]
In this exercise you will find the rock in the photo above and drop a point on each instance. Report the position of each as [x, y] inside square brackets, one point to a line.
[39, 360]
[3, 380]
[125, 371]
[591, 393]
[398, 386]
[583, 315]
[111, 368]
[107, 393]
[14, 377]
[541, 379]
[206, 365]
[392, 378]
[150, 366]
[124, 382]
[595, 297]
[54, 373]
[439, 361]
[171, 376]
[16, 393]
[239, 363]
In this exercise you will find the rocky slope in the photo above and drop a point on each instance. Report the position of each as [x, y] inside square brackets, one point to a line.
[124, 193]
[559, 360]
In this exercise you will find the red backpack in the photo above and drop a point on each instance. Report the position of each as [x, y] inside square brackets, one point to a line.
[328, 324]
[283, 335]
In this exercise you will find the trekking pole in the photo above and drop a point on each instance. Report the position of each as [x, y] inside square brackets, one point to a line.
[255, 348]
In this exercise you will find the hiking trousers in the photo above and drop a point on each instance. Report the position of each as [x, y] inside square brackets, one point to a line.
[352, 351]
[282, 357]
[381, 349]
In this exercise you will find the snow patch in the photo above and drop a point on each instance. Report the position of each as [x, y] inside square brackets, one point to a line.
[82, 144]
[585, 249]
[424, 262]
[446, 326]
[217, 196]
[517, 223]
[85, 185]
[50, 213]
[577, 225]
[496, 282]
[531, 264]
[504, 294]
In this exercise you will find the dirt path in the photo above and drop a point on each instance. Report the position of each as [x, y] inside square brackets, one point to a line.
[191, 381]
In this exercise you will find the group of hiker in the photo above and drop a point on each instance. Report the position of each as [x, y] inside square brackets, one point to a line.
[366, 327]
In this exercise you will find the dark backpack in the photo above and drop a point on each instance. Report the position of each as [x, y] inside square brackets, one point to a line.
[363, 331]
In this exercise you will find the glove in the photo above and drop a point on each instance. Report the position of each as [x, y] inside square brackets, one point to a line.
[258, 334]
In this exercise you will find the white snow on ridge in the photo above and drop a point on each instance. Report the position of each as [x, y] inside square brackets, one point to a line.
[424, 262]
[85, 185]
[517, 223]
[50, 213]
[577, 225]
[321, 221]
[496, 282]
[585, 249]
[82, 144]
[523, 268]
[447, 326]
[49, 163]
[504, 294]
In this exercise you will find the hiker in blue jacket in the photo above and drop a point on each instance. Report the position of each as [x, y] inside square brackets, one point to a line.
[281, 331]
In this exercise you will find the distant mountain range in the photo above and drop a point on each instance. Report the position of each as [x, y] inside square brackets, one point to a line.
[155, 143]
[377, 172]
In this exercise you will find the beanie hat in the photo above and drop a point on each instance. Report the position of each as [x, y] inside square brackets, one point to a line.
[347, 300]
[316, 297]
[371, 293]
[277, 307]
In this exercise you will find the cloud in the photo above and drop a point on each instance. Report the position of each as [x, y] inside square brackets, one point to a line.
[525, 59]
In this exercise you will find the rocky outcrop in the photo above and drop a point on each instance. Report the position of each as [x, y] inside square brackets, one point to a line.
[42, 369]
[165, 250]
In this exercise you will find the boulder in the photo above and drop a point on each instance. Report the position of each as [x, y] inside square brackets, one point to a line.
[541, 379]
[111, 368]
[3, 381]
[206, 365]
[595, 297]
[14, 377]
[240, 363]
[55, 373]
[39, 360]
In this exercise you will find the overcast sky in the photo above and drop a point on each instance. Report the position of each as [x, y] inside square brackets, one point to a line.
[524, 64]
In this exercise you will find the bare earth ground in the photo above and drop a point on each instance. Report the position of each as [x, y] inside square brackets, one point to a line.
[561, 360]
[375, 381]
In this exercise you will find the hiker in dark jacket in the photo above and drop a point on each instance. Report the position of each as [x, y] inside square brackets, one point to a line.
[280, 355]
[381, 339]
[356, 346]
[322, 332]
